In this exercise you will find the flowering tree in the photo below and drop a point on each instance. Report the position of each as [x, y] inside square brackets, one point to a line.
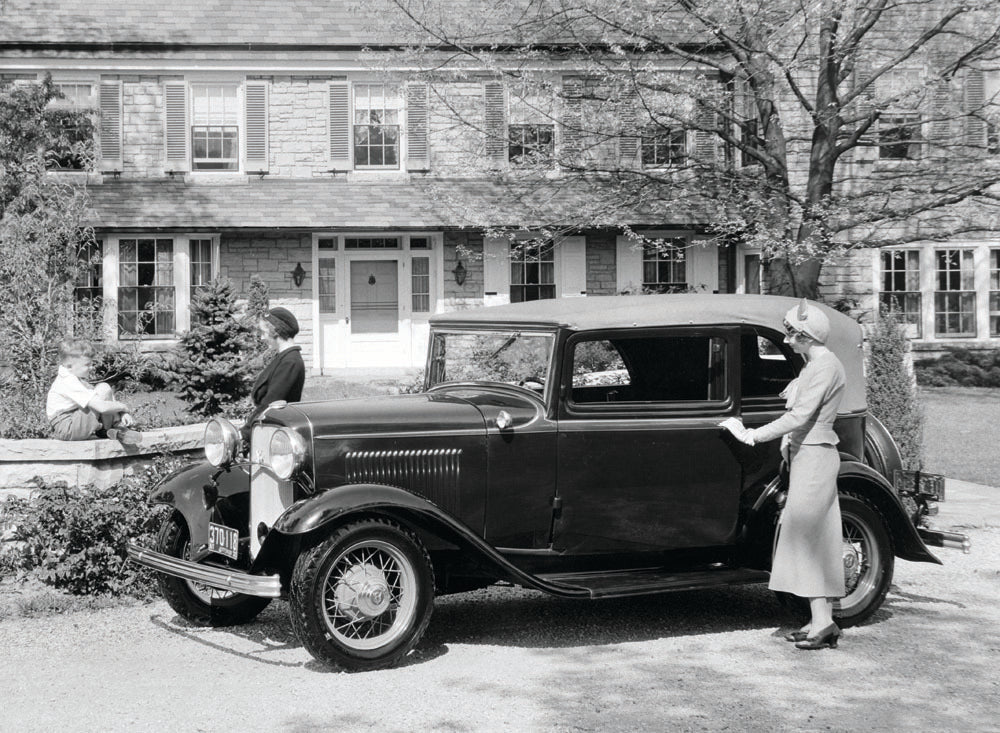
[801, 128]
[42, 234]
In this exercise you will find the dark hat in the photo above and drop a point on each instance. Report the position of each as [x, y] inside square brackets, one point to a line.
[284, 322]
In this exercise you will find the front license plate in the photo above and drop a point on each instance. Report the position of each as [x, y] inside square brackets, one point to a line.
[223, 540]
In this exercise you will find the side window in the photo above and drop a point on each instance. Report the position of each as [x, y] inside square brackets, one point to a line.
[767, 366]
[649, 370]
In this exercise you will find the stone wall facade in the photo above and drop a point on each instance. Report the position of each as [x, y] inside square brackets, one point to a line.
[602, 259]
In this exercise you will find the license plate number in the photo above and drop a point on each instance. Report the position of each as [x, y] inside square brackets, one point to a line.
[223, 540]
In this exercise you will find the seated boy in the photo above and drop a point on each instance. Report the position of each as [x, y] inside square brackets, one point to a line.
[77, 411]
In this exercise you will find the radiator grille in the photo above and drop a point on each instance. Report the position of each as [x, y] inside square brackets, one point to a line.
[434, 474]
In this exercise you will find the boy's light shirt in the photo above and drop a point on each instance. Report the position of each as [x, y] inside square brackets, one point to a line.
[68, 392]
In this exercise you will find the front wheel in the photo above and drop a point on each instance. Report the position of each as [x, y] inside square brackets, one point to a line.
[199, 603]
[362, 598]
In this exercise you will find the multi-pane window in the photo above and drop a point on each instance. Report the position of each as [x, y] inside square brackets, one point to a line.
[955, 295]
[215, 131]
[326, 280]
[531, 144]
[201, 264]
[89, 289]
[901, 285]
[662, 146]
[532, 272]
[146, 287]
[377, 110]
[995, 292]
[371, 243]
[76, 128]
[421, 284]
[663, 266]
[899, 136]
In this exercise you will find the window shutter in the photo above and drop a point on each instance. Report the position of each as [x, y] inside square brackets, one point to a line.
[111, 125]
[255, 109]
[628, 143]
[572, 253]
[496, 270]
[572, 119]
[705, 143]
[939, 129]
[629, 265]
[340, 125]
[175, 134]
[703, 267]
[496, 124]
[417, 152]
[975, 99]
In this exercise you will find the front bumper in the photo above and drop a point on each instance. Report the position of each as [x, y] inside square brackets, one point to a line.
[265, 586]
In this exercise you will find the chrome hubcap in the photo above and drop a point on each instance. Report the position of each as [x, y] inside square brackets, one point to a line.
[369, 595]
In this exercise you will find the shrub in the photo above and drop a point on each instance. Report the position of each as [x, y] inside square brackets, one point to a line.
[74, 539]
[217, 359]
[960, 367]
[891, 388]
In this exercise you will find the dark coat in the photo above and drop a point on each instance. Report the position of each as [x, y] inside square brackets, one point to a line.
[281, 379]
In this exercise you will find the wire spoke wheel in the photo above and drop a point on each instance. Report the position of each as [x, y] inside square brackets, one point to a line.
[868, 561]
[368, 595]
[361, 598]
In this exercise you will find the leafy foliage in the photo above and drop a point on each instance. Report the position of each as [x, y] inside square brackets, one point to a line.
[215, 361]
[42, 237]
[960, 367]
[74, 538]
[891, 388]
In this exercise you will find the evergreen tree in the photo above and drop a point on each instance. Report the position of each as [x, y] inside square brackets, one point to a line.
[214, 368]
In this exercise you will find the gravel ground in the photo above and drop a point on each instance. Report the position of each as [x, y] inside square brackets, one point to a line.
[509, 659]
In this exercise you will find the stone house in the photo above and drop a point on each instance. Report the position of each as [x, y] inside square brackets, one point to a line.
[266, 145]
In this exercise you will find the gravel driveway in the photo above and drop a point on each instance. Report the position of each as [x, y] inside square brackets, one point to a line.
[509, 659]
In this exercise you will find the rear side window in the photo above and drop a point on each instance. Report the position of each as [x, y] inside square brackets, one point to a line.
[650, 370]
[767, 365]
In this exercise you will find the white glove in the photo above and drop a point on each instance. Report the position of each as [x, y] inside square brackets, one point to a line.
[735, 426]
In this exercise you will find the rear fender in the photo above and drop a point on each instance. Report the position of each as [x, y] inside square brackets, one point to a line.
[195, 490]
[318, 515]
[865, 481]
[881, 451]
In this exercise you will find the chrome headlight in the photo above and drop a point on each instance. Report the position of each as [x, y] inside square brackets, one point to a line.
[222, 442]
[288, 451]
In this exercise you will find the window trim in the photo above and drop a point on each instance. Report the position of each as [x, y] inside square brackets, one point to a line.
[569, 410]
[918, 140]
[937, 291]
[400, 123]
[650, 134]
[239, 102]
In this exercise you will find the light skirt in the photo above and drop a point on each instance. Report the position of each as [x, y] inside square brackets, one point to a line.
[808, 555]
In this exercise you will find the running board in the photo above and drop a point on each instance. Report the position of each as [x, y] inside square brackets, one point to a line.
[618, 583]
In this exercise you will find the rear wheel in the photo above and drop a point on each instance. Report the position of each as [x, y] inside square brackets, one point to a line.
[362, 598]
[200, 604]
[868, 564]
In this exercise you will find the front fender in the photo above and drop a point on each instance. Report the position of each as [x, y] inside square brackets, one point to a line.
[869, 483]
[194, 490]
[339, 505]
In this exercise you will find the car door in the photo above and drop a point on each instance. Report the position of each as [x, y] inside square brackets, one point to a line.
[642, 464]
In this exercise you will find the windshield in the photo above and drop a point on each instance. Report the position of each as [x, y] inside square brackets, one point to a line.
[511, 357]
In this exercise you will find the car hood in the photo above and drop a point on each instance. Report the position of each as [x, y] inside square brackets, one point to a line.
[382, 416]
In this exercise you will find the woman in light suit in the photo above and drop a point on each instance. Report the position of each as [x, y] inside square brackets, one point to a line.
[808, 556]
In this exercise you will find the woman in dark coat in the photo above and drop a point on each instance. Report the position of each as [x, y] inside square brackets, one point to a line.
[283, 377]
[808, 556]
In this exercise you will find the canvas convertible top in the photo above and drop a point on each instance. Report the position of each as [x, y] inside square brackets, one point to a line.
[638, 311]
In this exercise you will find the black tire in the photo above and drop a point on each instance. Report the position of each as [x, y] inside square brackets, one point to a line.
[198, 603]
[362, 598]
[868, 561]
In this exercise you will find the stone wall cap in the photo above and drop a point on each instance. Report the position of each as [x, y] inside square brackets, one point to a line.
[158, 440]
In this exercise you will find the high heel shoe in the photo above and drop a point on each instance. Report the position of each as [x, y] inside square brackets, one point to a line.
[797, 636]
[825, 638]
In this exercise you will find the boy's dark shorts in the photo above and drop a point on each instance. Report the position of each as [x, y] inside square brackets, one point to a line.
[76, 425]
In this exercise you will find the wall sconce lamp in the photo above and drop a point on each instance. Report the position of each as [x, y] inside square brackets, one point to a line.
[298, 275]
[459, 273]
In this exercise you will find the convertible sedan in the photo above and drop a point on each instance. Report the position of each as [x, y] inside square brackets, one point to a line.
[572, 446]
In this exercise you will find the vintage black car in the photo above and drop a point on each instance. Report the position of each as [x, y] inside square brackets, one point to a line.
[572, 446]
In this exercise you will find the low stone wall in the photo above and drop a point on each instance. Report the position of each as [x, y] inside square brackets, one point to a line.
[97, 462]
